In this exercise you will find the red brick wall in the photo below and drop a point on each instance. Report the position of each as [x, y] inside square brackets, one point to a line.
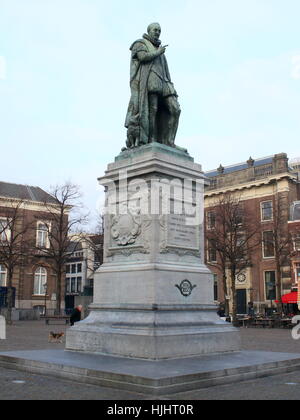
[23, 279]
[260, 264]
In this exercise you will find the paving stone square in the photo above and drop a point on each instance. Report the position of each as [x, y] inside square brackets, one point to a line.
[33, 335]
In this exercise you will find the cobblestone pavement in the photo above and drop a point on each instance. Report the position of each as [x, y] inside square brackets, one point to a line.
[30, 335]
[26, 335]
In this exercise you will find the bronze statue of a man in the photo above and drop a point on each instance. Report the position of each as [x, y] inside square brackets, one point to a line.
[153, 112]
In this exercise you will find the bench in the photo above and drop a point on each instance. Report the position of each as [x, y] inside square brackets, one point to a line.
[56, 318]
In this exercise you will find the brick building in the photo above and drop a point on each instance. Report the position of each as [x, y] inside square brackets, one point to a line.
[34, 279]
[294, 228]
[260, 185]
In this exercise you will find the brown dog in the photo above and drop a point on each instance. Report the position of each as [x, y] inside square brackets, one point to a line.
[55, 337]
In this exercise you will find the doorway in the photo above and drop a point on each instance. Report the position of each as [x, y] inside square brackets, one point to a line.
[241, 301]
[69, 303]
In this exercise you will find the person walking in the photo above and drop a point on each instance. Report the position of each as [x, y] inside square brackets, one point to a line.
[76, 315]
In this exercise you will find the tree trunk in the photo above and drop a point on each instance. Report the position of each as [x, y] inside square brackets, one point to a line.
[9, 298]
[58, 292]
[233, 292]
[225, 290]
[278, 289]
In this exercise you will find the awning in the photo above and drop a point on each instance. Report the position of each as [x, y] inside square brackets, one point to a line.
[289, 298]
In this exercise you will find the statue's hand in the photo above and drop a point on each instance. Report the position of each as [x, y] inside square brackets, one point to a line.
[162, 50]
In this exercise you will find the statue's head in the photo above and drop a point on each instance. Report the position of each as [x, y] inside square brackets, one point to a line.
[154, 30]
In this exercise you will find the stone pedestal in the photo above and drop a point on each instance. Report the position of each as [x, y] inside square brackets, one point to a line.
[153, 296]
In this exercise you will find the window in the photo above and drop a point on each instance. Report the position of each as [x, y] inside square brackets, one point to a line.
[4, 230]
[73, 284]
[40, 309]
[268, 244]
[295, 211]
[42, 235]
[270, 285]
[40, 281]
[297, 243]
[78, 288]
[213, 183]
[3, 274]
[215, 287]
[211, 253]
[74, 268]
[68, 285]
[211, 220]
[240, 244]
[266, 211]
[239, 216]
[298, 273]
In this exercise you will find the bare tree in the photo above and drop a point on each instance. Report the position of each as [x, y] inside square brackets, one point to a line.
[94, 244]
[99, 230]
[64, 217]
[221, 264]
[13, 248]
[233, 238]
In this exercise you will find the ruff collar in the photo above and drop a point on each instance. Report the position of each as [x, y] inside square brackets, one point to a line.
[155, 42]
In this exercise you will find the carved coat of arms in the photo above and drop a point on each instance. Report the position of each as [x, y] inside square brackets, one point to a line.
[125, 229]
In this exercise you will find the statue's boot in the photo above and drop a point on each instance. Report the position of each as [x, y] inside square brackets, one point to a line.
[172, 128]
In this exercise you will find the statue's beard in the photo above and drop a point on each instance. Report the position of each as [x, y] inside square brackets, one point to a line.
[156, 42]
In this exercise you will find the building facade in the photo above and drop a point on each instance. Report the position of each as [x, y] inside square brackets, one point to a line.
[34, 278]
[86, 255]
[269, 190]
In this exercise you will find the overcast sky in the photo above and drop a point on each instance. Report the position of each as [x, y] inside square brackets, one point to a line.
[64, 82]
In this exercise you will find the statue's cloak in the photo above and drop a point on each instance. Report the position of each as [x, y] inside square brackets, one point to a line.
[138, 109]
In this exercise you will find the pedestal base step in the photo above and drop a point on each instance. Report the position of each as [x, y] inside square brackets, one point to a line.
[156, 378]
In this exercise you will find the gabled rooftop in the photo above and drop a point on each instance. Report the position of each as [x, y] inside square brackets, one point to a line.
[25, 192]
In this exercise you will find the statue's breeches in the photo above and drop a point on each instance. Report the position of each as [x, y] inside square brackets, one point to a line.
[155, 84]
[160, 87]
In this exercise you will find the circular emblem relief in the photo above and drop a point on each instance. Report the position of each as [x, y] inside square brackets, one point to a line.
[241, 278]
[185, 288]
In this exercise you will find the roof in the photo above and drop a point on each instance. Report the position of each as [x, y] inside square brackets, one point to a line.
[240, 166]
[25, 192]
[74, 246]
[97, 239]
